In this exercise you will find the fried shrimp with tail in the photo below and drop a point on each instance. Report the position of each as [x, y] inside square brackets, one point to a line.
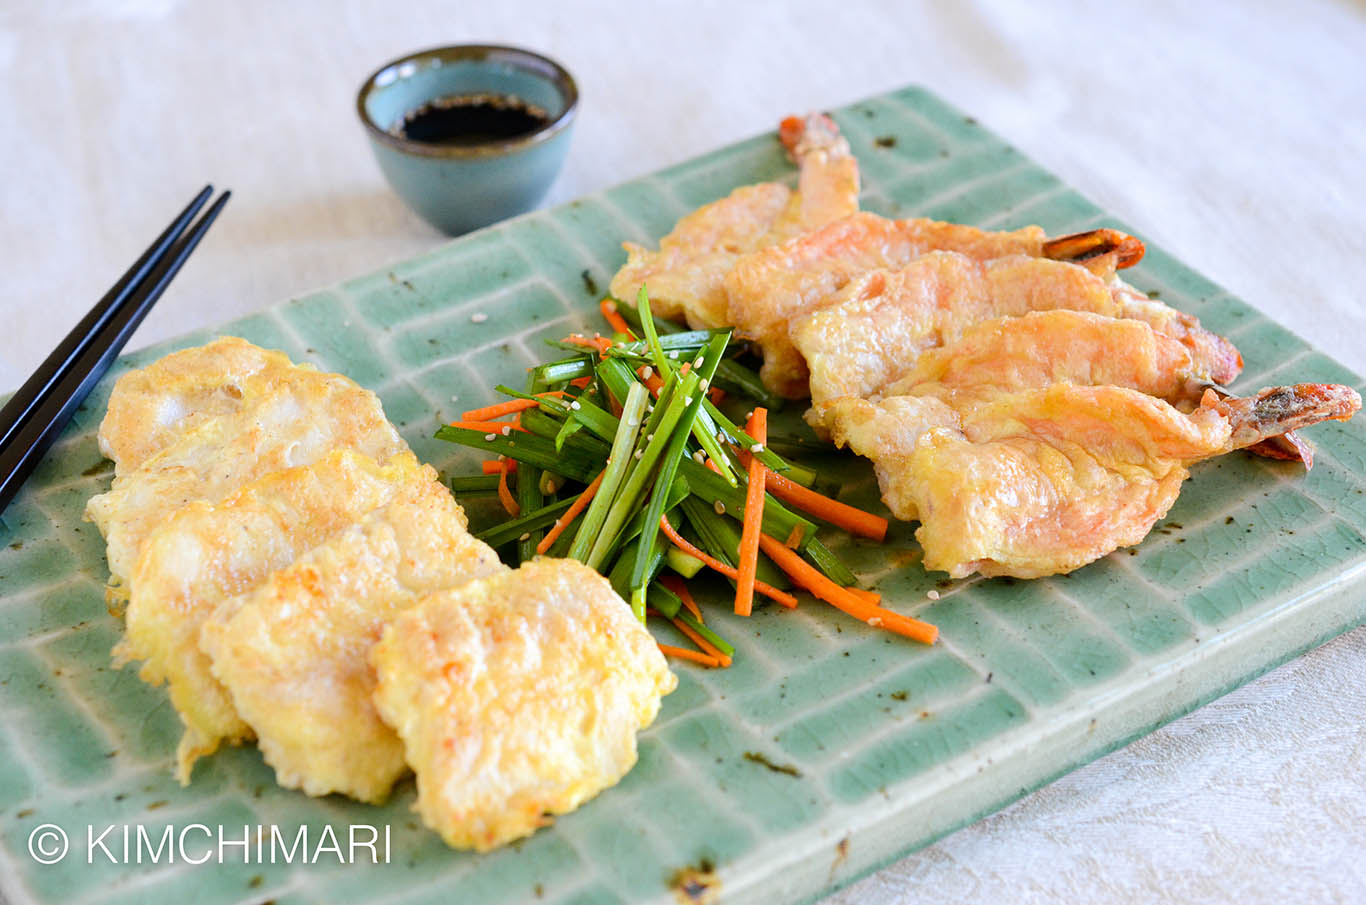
[684, 276]
[772, 287]
[1030, 458]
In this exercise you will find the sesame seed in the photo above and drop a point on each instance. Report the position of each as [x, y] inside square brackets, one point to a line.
[649, 437]
[478, 317]
[705, 384]
[674, 355]
[526, 536]
[508, 429]
[699, 457]
[490, 437]
[875, 621]
[697, 362]
[639, 453]
[647, 373]
[932, 594]
[757, 448]
[575, 405]
[455, 399]
[720, 507]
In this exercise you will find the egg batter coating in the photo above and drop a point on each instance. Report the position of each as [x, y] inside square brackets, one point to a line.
[871, 332]
[293, 653]
[517, 697]
[684, 276]
[1037, 444]
[207, 552]
[768, 288]
[202, 423]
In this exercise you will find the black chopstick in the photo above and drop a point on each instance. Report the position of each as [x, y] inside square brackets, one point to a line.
[63, 381]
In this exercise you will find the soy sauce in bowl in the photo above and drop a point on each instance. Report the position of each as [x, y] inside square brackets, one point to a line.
[466, 120]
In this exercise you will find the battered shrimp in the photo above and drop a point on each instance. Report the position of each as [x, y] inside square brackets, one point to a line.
[871, 332]
[684, 277]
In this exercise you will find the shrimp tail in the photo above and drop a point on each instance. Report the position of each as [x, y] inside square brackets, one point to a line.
[1277, 411]
[802, 135]
[1128, 250]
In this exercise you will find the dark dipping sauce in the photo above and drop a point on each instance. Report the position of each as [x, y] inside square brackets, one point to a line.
[466, 120]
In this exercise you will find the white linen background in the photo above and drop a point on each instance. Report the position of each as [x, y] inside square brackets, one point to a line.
[1233, 134]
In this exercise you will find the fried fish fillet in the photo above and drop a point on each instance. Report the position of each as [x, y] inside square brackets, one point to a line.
[201, 423]
[684, 277]
[293, 652]
[870, 333]
[1039, 444]
[207, 552]
[517, 696]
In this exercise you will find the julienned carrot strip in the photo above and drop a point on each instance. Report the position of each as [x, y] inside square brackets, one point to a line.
[496, 466]
[716, 395]
[842, 515]
[681, 542]
[580, 382]
[498, 410]
[490, 412]
[488, 427]
[707, 647]
[653, 382]
[576, 507]
[756, 427]
[505, 496]
[600, 343]
[869, 597]
[617, 322]
[811, 578]
[683, 653]
[675, 584]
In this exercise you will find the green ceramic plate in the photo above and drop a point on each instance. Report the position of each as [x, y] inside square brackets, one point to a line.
[883, 745]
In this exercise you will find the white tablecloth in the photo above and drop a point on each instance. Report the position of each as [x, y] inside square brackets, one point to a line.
[1231, 133]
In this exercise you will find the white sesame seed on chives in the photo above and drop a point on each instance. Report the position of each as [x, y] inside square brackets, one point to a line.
[757, 448]
[705, 384]
[639, 453]
[674, 355]
[699, 457]
[575, 405]
[526, 536]
[697, 362]
[490, 437]
[507, 429]
[478, 317]
[720, 507]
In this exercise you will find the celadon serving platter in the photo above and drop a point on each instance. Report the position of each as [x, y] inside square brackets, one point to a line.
[829, 748]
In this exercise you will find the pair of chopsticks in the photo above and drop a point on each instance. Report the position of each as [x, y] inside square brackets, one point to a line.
[36, 414]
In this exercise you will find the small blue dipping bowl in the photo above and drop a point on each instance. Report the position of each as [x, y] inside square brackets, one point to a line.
[457, 188]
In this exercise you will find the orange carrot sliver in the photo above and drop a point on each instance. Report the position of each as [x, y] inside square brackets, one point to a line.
[580, 382]
[488, 427]
[681, 543]
[869, 597]
[757, 427]
[497, 466]
[489, 412]
[580, 503]
[505, 495]
[707, 647]
[675, 583]
[807, 576]
[683, 653]
[842, 515]
[599, 343]
[617, 322]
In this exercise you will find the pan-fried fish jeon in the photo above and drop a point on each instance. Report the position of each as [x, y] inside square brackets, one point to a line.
[517, 697]
[684, 276]
[207, 552]
[870, 333]
[1015, 464]
[201, 423]
[293, 653]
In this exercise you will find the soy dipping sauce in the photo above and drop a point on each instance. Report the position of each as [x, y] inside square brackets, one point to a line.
[471, 119]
